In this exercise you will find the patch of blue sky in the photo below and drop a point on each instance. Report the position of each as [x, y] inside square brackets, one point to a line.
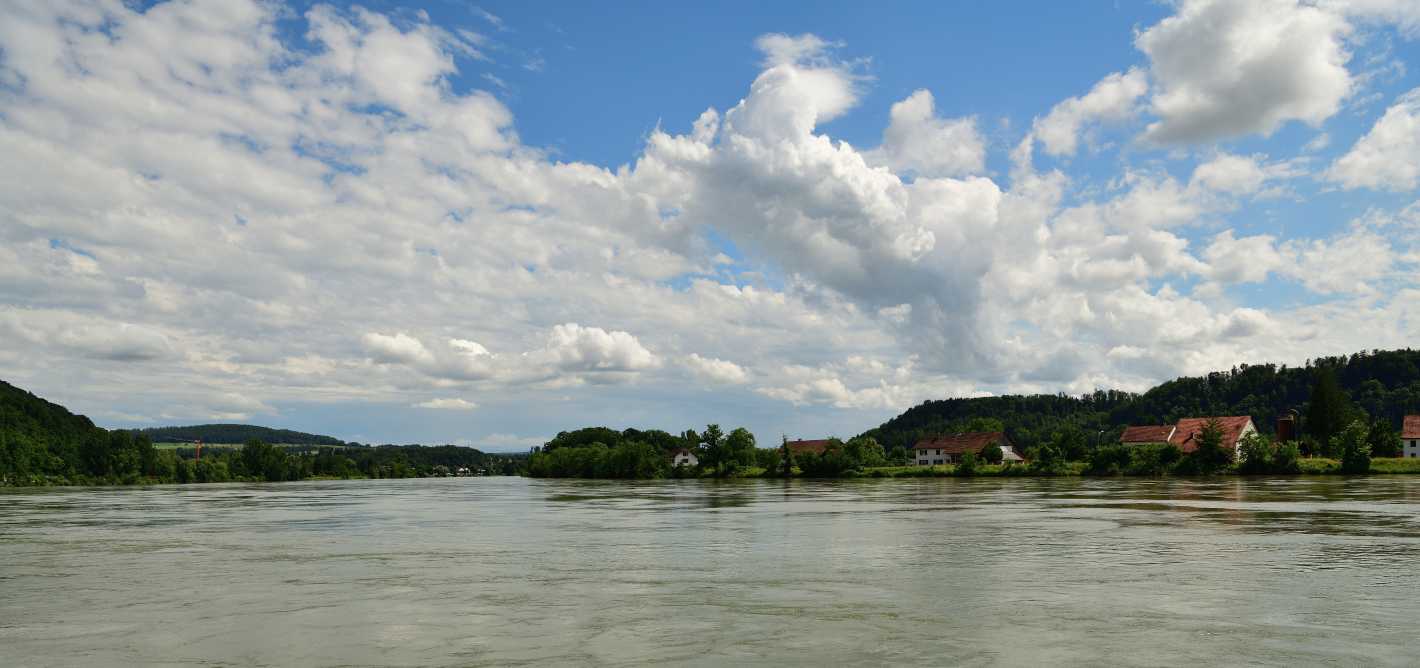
[64, 243]
[333, 157]
[228, 138]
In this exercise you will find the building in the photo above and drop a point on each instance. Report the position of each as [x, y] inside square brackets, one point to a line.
[1234, 428]
[799, 447]
[1149, 434]
[1410, 437]
[683, 456]
[947, 448]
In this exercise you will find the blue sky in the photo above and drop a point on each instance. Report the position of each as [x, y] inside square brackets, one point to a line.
[483, 224]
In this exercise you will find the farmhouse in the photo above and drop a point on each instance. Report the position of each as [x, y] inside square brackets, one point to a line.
[947, 448]
[799, 447]
[1410, 437]
[682, 456]
[1234, 428]
[1149, 434]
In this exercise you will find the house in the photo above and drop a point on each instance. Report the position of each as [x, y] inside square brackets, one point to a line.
[801, 446]
[1149, 434]
[1234, 428]
[683, 456]
[947, 448]
[1410, 437]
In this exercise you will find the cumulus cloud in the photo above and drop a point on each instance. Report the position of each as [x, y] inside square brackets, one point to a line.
[1387, 157]
[339, 223]
[1112, 99]
[918, 142]
[718, 371]
[398, 349]
[1228, 68]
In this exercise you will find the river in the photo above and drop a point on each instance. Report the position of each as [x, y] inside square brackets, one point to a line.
[907, 572]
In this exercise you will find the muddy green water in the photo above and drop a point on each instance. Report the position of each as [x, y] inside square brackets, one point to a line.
[512, 572]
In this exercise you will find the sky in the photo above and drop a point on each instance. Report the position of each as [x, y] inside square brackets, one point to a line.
[484, 224]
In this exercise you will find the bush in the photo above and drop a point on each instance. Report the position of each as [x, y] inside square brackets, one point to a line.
[968, 464]
[992, 454]
[1355, 450]
[1111, 459]
[1155, 459]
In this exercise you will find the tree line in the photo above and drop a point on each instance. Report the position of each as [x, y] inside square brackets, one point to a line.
[1379, 386]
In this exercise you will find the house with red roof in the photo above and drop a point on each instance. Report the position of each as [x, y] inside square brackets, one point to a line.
[1410, 437]
[1185, 433]
[1147, 434]
[800, 446]
[1234, 428]
[683, 456]
[938, 449]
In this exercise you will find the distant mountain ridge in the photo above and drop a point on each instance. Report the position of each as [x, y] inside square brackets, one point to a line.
[236, 433]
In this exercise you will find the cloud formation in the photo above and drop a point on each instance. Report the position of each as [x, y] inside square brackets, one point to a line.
[340, 223]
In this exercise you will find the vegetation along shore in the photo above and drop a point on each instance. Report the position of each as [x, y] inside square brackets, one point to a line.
[1350, 412]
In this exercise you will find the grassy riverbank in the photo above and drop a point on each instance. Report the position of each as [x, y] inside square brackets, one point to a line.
[1316, 466]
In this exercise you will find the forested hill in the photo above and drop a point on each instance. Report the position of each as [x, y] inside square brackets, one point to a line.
[236, 433]
[24, 415]
[1385, 384]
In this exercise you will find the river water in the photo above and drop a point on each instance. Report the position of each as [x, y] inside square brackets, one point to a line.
[515, 572]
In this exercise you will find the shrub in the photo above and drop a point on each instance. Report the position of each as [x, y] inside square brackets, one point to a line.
[1155, 459]
[1111, 459]
[1354, 448]
[992, 454]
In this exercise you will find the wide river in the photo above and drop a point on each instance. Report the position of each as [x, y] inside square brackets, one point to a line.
[515, 572]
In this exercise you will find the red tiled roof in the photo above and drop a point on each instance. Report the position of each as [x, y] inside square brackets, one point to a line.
[1149, 434]
[1188, 428]
[954, 444]
[800, 447]
[680, 450]
[1411, 427]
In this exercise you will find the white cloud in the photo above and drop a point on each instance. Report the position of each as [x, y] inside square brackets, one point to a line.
[1112, 99]
[919, 142]
[255, 208]
[718, 371]
[122, 341]
[1387, 157]
[455, 404]
[398, 349]
[1228, 68]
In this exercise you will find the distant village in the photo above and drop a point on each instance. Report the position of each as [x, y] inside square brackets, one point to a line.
[944, 449]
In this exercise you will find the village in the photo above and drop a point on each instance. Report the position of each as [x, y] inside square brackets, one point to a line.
[947, 449]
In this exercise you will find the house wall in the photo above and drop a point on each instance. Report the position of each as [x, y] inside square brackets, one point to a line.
[1410, 448]
[686, 458]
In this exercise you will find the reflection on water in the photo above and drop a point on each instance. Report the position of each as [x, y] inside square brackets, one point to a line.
[498, 572]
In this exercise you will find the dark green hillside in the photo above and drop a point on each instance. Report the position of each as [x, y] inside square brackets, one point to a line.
[36, 435]
[236, 433]
[1385, 384]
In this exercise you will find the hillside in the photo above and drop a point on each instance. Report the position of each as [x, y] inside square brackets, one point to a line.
[1385, 384]
[36, 434]
[236, 433]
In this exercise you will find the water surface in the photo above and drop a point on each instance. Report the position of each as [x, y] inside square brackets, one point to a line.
[515, 572]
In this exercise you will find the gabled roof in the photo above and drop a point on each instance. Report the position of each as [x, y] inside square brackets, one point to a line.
[680, 450]
[1148, 434]
[955, 444]
[801, 446]
[1188, 429]
[1411, 427]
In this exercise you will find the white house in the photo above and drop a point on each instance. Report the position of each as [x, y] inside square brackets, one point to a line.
[1410, 437]
[939, 449]
[683, 457]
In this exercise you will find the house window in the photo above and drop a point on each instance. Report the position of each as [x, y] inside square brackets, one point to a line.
[921, 462]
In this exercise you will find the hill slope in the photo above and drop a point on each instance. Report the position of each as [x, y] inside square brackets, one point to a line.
[37, 435]
[236, 433]
[1386, 384]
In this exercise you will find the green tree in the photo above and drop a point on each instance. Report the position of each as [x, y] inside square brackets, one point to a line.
[740, 447]
[95, 454]
[992, 453]
[1070, 443]
[981, 424]
[1155, 459]
[968, 464]
[712, 446]
[1329, 412]
[789, 463]
[1113, 459]
[1383, 440]
[1355, 451]
[1209, 455]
